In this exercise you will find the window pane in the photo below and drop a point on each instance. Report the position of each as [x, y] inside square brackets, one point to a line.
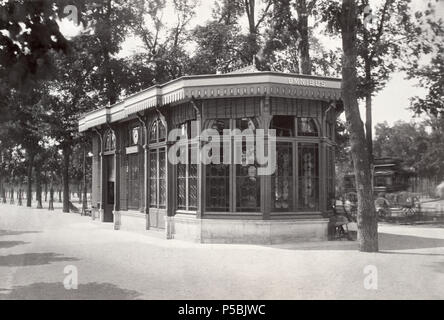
[162, 178]
[247, 189]
[308, 177]
[162, 131]
[282, 179]
[217, 179]
[153, 133]
[307, 127]
[284, 126]
[153, 178]
[246, 123]
[181, 186]
[247, 181]
[133, 182]
[220, 125]
[192, 180]
[192, 193]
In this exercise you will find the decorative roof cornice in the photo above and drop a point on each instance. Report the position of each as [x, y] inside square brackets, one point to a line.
[231, 85]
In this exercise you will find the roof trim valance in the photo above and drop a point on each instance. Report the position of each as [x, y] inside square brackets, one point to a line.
[274, 84]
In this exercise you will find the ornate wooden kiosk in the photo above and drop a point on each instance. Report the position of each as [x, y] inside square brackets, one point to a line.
[136, 186]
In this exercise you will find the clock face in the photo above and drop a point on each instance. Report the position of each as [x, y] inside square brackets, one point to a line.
[135, 135]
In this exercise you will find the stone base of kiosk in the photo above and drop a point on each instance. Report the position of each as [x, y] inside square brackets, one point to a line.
[130, 221]
[246, 231]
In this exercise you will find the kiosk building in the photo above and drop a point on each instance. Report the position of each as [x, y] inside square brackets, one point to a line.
[136, 185]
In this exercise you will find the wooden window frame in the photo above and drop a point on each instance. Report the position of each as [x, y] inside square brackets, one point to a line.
[156, 147]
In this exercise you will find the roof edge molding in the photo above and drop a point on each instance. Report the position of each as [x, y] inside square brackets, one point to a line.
[275, 84]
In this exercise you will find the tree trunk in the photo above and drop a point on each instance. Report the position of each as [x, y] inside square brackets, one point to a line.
[11, 201]
[79, 192]
[250, 10]
[60, 195]
[304, 44]
[29, 174]
[65, 177]
[19, 203]
[368, 89]
[252, 30]
[369, 135]
[369, 125]
[3, 191]
[51, 198]
[367, 219]
[46, 188]
[38, 187]
[4, 195]
[111, 90]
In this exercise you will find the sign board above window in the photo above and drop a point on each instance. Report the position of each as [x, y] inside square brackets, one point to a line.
[133, 149]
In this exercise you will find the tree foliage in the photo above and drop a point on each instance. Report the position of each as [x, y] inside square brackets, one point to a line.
[419, 145]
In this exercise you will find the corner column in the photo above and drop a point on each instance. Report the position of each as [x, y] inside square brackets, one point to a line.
[116, 213]
[102, 180]
[145, 206]
[266, 179]
[323, 176]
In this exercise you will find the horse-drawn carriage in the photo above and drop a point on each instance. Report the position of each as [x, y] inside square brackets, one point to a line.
[406, 203]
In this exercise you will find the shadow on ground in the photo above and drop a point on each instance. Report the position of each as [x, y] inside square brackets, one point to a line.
[15, 233]
[56, 291]
[438, 267]
[10, 244]
[32, 259]
[387, 242]
[402, 242]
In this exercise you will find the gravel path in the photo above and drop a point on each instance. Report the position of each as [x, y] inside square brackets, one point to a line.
[37, 246]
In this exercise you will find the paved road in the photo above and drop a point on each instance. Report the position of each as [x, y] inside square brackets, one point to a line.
[36, 246]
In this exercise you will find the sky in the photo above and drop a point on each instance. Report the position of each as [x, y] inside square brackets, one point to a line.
[390, 105]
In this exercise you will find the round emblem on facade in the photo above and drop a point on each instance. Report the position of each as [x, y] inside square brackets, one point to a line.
[136, 135]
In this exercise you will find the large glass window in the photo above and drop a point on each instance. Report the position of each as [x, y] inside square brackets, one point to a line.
[162, 178]
[134, 172]
[153, 178]
[296, 163]
[157, 170]
[282, 179]
[308, 155]
[247, 180]
[218, 176]
[133, 181]
[187, 172]
[242, 175]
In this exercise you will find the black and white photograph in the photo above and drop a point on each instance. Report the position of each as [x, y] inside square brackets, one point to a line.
[222, 150]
